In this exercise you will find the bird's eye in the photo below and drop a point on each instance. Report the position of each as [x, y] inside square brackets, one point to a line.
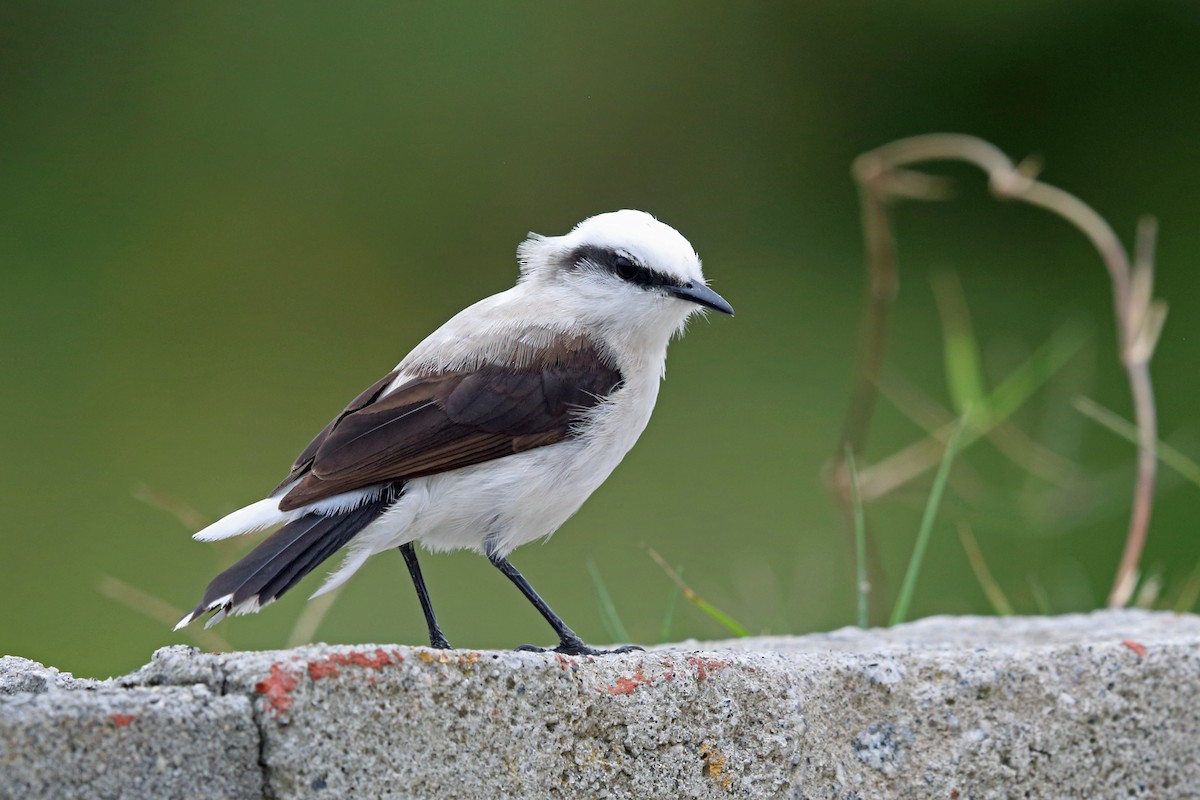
[626, 270]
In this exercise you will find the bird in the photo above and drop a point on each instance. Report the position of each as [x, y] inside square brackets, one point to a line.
[491, 432]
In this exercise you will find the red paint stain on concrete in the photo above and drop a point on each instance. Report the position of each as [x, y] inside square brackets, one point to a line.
[329, 666]
[628, 685]
[1136, 647]
[706, 665]
[277, 689]
[122, 720]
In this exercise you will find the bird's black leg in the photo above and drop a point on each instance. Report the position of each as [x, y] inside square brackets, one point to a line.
[569, 642]
[436, 638]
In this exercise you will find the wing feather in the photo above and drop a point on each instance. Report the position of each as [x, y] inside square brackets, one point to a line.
[305, 459]
[450, 420]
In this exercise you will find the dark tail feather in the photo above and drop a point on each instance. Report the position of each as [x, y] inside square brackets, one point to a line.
[286, 556]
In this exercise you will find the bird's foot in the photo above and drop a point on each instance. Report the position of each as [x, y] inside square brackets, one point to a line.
[576, 647]
[438, 642]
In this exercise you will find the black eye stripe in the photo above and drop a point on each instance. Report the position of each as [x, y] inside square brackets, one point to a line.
[619, 264]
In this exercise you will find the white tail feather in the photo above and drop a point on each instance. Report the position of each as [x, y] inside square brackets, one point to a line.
[253, 517]
[192, 615]
[214, 619]
[266, 513]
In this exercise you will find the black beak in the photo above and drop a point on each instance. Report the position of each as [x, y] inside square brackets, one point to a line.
[700, 294]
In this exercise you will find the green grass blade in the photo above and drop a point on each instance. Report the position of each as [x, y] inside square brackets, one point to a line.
[608, 610]
[690, 595]
[898, 469]
[862, 583]
[900, 610]
[672, 601]
[1190, 592]
[1168, 455]
[1020, 384]
[720, 616]
[963, 365]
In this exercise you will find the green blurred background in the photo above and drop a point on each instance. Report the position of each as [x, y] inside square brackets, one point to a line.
[220, 221]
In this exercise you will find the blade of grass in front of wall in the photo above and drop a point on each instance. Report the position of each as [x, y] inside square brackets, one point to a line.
[900, 610]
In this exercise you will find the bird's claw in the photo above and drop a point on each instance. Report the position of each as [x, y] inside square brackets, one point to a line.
[578, 648]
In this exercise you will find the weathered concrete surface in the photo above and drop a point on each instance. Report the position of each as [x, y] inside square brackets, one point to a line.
[164, 742]
[1099, 705]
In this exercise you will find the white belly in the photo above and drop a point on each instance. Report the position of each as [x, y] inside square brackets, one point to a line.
[496, 506]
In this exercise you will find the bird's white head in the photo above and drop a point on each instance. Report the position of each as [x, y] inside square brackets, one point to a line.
[623, 270]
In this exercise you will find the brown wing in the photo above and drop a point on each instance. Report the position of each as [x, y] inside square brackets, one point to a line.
[305, 459]
[454, 419]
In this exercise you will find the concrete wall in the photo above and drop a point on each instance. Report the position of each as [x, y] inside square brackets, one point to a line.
[1098, 705]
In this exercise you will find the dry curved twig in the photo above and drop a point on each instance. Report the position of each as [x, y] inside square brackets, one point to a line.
[883, 175]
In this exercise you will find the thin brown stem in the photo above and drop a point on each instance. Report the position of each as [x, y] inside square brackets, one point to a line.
[881, 292]
[158, 610]
[995, 595]
[882, 281]
[883, 174]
